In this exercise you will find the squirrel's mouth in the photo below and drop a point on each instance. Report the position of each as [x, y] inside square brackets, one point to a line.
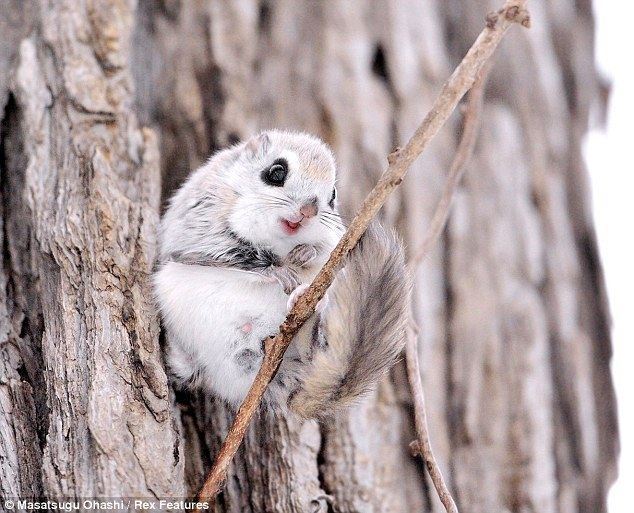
[290, 227]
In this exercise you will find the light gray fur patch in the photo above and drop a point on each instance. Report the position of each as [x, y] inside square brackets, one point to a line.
[248, 360]
[362, 330]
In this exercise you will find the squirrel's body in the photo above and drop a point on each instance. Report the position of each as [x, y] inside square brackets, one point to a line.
[245, 230]
[208, 342]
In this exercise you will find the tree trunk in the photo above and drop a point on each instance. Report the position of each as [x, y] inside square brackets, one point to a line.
[514, 344]
[85, 403]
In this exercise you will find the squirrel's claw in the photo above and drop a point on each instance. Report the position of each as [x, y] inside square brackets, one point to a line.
[294, 297]
[286, 277]
[301, 255]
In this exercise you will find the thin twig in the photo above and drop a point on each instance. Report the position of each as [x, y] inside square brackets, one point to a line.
[399, 162]
[464, 151]
[422, 445]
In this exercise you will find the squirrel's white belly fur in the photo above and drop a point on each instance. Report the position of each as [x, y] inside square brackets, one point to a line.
[218, 324]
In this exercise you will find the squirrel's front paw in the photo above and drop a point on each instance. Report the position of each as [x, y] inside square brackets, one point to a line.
[286, 277]
[294, 297]
[301, 255]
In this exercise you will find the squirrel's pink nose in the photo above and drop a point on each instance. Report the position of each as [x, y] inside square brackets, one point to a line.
[309, 210]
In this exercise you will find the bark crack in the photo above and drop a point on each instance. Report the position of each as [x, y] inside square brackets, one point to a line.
[23, 305]
[328, 496]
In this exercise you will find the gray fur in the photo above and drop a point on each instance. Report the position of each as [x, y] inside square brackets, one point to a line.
[362, 330]
[249, 360]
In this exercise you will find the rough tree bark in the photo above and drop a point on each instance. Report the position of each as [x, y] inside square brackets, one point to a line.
[514, 345]
[84, 400]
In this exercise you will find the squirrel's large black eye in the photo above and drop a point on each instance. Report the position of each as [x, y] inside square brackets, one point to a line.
[276, 174]
[331, 203]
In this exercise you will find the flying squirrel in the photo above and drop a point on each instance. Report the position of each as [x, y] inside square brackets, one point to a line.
[238, 243]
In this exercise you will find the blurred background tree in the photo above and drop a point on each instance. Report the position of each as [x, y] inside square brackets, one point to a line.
[514, 346]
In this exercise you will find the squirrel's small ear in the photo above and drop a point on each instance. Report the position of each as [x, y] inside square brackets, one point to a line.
[259, 145]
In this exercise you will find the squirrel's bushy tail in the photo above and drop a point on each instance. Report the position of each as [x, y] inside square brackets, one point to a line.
[361, 330]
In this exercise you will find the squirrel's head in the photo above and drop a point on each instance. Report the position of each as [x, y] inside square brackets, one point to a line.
[284, 191]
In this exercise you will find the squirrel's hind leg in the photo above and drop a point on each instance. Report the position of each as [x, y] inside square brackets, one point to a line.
[182, 366]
